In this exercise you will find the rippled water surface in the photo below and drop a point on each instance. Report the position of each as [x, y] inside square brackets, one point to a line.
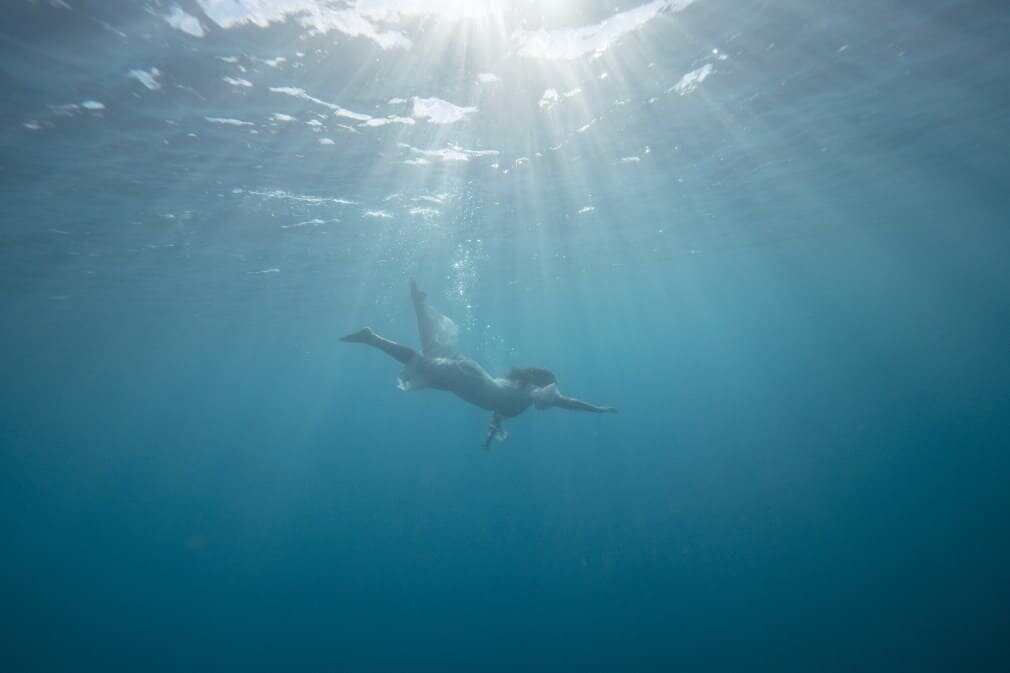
[773, 234]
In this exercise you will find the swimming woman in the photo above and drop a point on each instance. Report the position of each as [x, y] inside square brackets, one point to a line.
[436, 366]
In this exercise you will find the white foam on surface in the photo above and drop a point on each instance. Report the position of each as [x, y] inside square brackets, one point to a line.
[180, 20]
[549, 99]
[595, 39]
[384, 22]
[237, 81]
[391, 119]
[452, 153]
[348, 114]
[232, 13]
[350, 22]
[339, 111]
[67, 110]
[228, 121]
[272, 62]
[393, 11]
[691, 80]
[146, 77]
[314, 222]
[316, 15]
[303, 198]
[438, 111]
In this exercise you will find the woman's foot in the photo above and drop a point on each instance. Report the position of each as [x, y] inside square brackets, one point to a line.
[361, 336]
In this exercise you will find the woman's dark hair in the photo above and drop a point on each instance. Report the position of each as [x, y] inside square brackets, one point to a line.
[531, 376]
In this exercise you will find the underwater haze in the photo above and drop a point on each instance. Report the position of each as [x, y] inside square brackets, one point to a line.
[774, 235]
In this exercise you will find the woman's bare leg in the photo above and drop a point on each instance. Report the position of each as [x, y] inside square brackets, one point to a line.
[398, 352]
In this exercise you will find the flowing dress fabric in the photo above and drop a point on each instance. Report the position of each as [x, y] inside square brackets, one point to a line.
[437, 360]
[439, 334]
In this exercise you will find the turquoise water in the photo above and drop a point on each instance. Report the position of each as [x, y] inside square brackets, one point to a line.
[774, 235]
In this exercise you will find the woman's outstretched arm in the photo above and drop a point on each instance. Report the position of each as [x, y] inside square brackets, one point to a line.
[579, 405]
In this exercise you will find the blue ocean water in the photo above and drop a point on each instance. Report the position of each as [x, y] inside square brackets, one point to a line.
[773, 234]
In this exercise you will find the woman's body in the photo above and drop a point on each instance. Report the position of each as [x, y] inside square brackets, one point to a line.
[435, 367]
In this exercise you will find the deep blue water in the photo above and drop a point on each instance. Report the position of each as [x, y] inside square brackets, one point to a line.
[774, 235]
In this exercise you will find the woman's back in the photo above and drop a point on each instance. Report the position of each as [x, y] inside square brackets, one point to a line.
[467, 380]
